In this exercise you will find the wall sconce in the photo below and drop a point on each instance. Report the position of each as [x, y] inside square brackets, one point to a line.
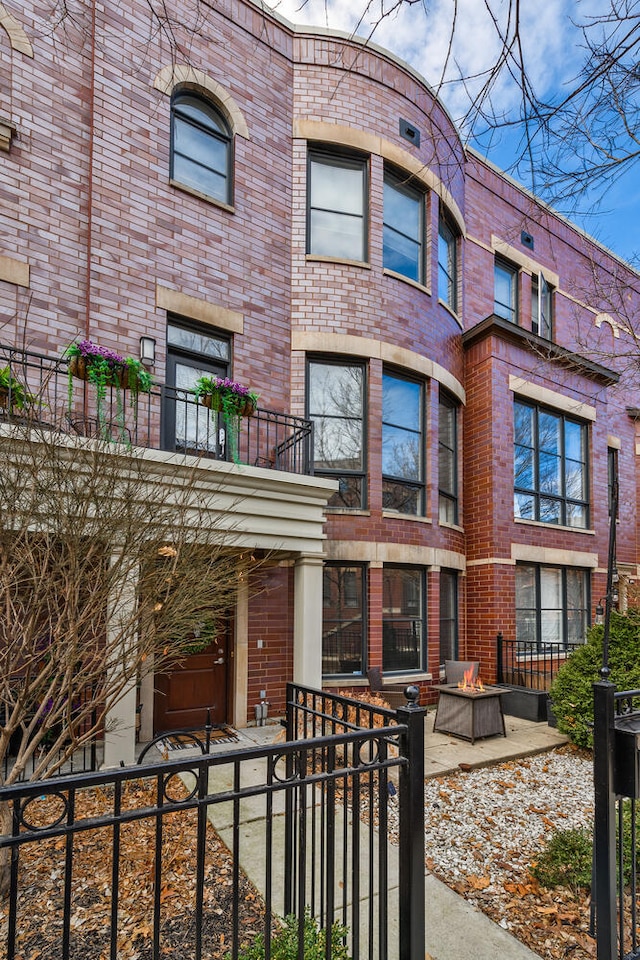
[147, 351]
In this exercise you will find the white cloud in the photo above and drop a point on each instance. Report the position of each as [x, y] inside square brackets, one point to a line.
[420, 33]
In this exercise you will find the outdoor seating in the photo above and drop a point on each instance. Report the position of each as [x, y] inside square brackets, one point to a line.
[393, 693]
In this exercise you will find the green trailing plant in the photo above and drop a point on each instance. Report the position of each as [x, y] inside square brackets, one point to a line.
[14, 390]
[232, 400]
[284, 942]
[104, 368]
[572, 690]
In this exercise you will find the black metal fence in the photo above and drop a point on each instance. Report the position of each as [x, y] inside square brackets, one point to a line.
[616, 739]
[197, 857]
[522, 663]
[167, 418]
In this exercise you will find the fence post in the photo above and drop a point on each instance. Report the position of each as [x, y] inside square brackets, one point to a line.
[604, 833]
[411, 834]
[289, 807]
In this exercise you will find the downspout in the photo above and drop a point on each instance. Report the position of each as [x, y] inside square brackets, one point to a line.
[92, 78]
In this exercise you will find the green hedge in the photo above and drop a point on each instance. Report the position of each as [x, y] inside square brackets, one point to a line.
[572, 689]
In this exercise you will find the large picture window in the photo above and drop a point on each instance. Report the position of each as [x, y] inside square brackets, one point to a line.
[403, 227]
[552, 605]
[337, 207]
[447, 459]
[335, 404]
[343, 627]
[403, 619]
[550, 467]
[402, 446]
[200, 147]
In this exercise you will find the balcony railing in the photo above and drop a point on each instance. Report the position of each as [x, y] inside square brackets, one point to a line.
[167, 418]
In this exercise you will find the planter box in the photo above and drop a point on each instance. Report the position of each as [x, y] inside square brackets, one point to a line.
[525, 704]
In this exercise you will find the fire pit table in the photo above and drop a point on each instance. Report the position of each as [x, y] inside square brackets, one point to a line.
[469, 714]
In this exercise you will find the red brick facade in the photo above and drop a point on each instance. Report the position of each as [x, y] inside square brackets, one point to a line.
[86, 201]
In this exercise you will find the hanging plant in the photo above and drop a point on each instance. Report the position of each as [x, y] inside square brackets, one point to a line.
[232, 400]
[104, 368]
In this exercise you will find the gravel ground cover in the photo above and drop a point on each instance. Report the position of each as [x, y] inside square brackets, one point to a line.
[485, 829]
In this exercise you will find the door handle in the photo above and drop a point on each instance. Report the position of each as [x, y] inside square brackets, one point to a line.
[221, 660]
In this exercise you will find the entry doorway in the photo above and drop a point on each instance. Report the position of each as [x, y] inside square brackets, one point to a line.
[200, 683]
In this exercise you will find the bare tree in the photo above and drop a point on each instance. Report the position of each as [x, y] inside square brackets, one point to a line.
[107, 563]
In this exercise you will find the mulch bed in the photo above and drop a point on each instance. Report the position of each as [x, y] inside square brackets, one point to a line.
[39, 934]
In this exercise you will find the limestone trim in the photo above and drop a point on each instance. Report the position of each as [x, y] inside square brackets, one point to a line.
[364, 551]
[17, 37]
[526, 552]
[491, 562]
[320, 131]
[550, 398]
[309, 341]
[196, 309]
[178, 73]
[14, 271]
[523, 260]
[7, 133]
[606, 318]
[614, 442]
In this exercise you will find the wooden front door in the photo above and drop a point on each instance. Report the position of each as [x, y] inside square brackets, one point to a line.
[183, 696]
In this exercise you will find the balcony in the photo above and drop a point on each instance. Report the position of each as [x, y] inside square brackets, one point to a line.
[167, 418]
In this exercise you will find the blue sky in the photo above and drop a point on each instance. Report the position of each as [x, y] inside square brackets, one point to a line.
[420, 34]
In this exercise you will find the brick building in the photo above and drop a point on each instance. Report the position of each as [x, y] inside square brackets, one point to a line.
[295, 209]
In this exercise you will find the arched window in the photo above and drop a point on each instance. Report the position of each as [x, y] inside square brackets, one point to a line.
[200, 147]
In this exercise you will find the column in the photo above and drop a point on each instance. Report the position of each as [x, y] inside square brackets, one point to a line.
[307, 621]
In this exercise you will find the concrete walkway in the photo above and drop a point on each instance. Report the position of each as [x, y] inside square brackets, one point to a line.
[454, 929]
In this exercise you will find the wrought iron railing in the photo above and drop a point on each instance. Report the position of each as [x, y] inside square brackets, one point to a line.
[167, 418]
[522, 663]
[616, 763]
[304, 824]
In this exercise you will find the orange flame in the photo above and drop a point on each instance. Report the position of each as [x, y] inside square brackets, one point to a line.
[469, 683]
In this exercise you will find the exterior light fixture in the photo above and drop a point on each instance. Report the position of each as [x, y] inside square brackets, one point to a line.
[600, 611]
[147, 351]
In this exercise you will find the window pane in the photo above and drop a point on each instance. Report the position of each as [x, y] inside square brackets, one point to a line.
[337, 188]
[335, 390]
[525, 586]
[550, 510]
[523, 467]
[447, 265]
[549, 473]
[336, 407]
[401, 497]
[343, 620]
[551, 627]
[200, 146]
[197, 342]
[402, 619]
[523, 507]
[402, 211]
[447, 509]
[448, 616]
[401, 437]
[505, 292]
[199, 178]
[336, 235]
[401, 254]
[523, 425]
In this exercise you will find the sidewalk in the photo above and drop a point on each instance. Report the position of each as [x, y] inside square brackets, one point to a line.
[452, 926]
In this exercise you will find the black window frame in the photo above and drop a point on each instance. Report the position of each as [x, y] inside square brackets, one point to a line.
[449, 621]
[541, 318]
[340, 624]
[448, 498]
[511, 311]
[350, 480]
[400, 643]
[213, 124]
[345, 159]
[537, 493]
[448, 240]
[396, 482]
[398, 181]
[210, 435]
[538, 643]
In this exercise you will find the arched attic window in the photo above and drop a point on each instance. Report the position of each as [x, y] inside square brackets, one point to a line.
[201, 146]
